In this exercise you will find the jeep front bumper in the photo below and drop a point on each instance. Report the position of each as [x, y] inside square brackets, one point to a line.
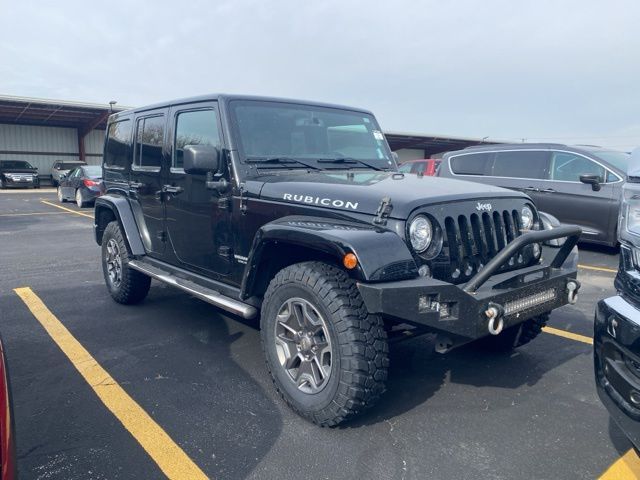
[465, 311]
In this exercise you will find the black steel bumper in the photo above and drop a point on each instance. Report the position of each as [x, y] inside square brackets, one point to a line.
[616, 355]
[459, 310]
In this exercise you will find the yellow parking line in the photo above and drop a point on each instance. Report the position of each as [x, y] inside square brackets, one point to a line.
[67, 209]
[161, 448]
[565, 334]
[598, 269]
[626, 467]
[30, 213]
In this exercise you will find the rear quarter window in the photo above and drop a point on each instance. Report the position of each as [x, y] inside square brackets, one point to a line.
[471, 163]
[118, 146]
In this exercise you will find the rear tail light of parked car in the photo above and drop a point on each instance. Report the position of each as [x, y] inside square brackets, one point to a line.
[90, 183]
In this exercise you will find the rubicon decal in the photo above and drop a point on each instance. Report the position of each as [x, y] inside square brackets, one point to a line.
[327, 202]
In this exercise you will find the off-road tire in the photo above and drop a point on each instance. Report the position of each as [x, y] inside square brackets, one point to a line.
[516, 336]
[133, 286]
[359, 361]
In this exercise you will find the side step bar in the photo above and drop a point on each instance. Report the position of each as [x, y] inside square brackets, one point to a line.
[210, 296]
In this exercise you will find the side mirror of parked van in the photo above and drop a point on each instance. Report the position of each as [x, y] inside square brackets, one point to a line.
[201, 159]
[593, 180]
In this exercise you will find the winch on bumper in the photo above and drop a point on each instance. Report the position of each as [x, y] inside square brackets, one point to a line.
[487, 303]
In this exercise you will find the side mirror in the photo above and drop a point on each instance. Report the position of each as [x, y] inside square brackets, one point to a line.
[63, 176]
[201, 159]
[593, 180]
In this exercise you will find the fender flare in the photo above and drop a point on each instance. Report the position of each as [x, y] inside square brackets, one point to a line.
[382, 254]
[121, 209]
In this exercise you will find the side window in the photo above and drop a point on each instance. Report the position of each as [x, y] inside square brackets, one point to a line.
[418, 167]
[57, 166]
[568, 167]
[405, 168]
[521, 164]
[118, 146]
[195, 127]
[471, 164]
[149, 138]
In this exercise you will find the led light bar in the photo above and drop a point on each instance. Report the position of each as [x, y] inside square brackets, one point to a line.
[529, 302]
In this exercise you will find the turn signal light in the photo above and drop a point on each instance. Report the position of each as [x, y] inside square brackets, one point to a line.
[350, 261]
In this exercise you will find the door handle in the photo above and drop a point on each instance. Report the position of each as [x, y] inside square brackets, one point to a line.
[171, 189]
[531, 189]
[548, 190]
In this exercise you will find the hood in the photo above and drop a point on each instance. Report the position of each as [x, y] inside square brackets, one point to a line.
[362, 192]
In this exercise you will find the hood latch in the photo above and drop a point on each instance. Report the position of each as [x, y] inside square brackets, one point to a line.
[383, 212]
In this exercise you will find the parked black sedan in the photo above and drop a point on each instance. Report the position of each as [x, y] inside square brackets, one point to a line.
[18, 173]
[82, 185]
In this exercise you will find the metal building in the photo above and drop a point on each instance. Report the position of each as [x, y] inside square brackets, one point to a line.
[44, 131]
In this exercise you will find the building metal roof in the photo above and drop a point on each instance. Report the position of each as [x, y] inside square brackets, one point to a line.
[54, 113]
[431, 144]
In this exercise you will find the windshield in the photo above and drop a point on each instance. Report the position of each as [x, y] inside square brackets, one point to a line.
[281, 130]
[619, 160]
[93, 171]
[70, 165]
[14, 164]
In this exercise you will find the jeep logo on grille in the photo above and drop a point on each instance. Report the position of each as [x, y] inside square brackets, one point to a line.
[484, 207]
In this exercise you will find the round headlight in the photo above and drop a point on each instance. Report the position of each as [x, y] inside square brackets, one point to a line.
[526, 217]
[420, 233]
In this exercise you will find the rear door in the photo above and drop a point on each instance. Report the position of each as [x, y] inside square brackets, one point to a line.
[68, 184]
[522, 170]
[572, 201]
[146, 178]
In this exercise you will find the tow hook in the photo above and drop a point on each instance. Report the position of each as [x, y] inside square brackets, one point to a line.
[494, 313]
[572, 288]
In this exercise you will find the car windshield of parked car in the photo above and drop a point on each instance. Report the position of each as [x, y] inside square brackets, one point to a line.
[620, 160]
[70, 165]
[93, 171]
[271, 130]
[15, 164]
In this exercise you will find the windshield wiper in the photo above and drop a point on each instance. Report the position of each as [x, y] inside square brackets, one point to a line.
[279, 160]
[350, 160]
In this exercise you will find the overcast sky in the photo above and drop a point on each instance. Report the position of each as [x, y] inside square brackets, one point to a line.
[565, 71]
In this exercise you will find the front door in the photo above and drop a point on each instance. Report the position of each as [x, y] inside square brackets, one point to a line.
[198, 218]
[571, 201]
[522, 170]
[146, 180]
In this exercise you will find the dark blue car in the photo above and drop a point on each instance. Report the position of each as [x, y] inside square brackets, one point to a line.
[82, 185]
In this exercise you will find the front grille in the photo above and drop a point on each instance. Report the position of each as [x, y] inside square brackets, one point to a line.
[470, 241]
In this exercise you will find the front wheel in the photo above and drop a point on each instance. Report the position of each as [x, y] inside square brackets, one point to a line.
[125, 285]
[2, 183]
[328, 357]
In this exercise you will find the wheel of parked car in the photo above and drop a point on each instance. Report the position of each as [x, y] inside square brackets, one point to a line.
[327, 355]
[80, 201]
[61, 198]
[1, 182]
[125, 285]
[516, 336]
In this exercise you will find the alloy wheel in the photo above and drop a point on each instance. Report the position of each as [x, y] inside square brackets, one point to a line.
[303, 345]
[113, 260]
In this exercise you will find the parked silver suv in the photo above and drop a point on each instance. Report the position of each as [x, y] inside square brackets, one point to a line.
[580, 185]
[60, 168]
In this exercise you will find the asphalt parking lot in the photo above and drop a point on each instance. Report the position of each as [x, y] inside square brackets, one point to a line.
[200, 376]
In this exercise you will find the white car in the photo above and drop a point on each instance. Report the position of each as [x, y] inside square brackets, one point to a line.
[62, 168]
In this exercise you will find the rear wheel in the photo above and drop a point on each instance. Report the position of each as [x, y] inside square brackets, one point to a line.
[80, 201]
[327, 355]
[516, 336]
[125, 285]
[61, 198]
[2, 183]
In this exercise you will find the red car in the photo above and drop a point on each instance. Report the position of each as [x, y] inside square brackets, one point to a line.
[425, 166]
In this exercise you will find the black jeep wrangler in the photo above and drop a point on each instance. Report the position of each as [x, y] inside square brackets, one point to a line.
[295, 212]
